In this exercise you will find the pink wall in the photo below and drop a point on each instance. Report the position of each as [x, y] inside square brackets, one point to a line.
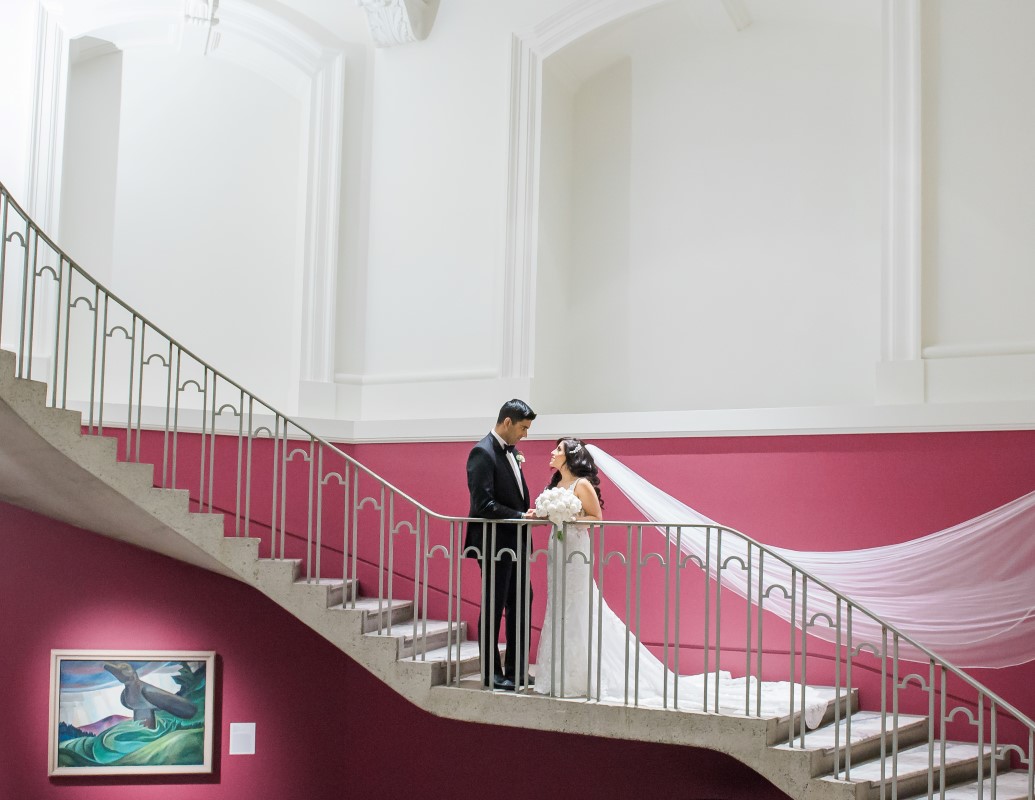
[804, 492]
[831, 492]
[325, 727]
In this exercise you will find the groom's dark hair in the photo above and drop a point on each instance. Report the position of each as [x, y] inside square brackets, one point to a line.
[516, 410]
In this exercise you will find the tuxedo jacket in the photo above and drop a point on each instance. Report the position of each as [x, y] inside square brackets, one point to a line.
[495, 494]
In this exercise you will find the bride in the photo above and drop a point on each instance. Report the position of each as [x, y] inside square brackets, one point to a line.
[571, 662]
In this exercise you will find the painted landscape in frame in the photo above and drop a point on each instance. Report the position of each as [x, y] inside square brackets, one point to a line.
[117, 712]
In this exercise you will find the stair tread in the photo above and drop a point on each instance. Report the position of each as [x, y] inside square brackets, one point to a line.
[914, 760]
[465, 651]
[1008, 786]
[371, 603]
[326, 581]
[405, 629]
[865, 725]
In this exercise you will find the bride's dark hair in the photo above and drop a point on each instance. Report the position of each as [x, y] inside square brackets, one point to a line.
[580, 463]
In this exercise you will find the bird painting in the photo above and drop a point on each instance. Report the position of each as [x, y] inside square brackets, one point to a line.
[144, 698]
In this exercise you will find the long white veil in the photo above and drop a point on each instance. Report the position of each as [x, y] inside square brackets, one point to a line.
[967, 593]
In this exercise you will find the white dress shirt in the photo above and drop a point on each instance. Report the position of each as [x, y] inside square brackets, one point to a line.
[511, 458]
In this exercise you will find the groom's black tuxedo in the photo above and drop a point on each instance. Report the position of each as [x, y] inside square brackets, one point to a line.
[496, 494]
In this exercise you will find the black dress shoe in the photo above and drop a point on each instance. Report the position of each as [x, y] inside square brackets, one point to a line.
[528, 683]
[504, 684]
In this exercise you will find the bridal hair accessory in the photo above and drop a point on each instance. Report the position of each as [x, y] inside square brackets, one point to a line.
[574, 446]
[559, 506]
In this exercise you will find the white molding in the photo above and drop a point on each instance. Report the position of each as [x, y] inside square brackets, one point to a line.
[47, 126]
[979, 350]
[517, 357]
[518, 319]
[311, 50]
[415, 377]
[802, 421]
[394, 22]
[319, 290]
[901, 257]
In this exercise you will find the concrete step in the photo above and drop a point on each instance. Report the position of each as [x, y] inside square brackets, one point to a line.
[1014, 785]
[330, 591]
[379, 615]
[865, 739]
[846, 702]
[961, 760]
[463, 654]
[420, 635]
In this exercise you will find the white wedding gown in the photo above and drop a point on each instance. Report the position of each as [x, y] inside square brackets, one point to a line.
[569, 629]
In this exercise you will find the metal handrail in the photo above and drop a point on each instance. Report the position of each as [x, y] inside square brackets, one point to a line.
[387, 494]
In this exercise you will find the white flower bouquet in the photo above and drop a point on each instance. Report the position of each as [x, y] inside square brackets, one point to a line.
[559, 506]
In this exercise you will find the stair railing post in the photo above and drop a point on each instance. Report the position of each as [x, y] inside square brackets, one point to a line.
[311, 555]
[761, 621]
[93, 355]
[665, 561]
[638, 589]
[679, 564]
[837, 692]
[791, 656]
[993, 731]
[804, 653]
[718, 614]
[707, 611]
[213, 440]
[941, 725]
[747, 634]
[129, 388]
[140, 363]
[420, 610]
[894, 717]
[883, 712]
[628, 603]
[275, 494]
[354, 511]
[283, 488]
[454, 554]
[5, 202]
[240, 465]
[31, 239]
[104, 364]
[563, 583]
[204, 438]
[590, 611]
[848, 687]
[383, 578]
[168, 409]
[57, 331]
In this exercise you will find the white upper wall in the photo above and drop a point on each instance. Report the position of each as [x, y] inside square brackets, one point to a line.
[728, 249]
[979, 125]
[207, 235]
[710, 210]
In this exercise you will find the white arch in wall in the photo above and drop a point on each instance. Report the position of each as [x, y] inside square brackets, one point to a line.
[900, 372]
[312, 51]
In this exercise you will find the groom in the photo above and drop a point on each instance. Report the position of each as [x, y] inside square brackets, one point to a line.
[498, 491]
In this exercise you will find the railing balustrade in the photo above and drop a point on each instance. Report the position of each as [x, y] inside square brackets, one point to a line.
[306, 498]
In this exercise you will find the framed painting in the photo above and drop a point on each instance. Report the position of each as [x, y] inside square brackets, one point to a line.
[130, 712]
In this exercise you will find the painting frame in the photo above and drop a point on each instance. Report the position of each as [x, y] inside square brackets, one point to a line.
[161, 737]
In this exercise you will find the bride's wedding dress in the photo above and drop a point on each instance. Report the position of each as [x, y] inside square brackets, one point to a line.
[570, 662]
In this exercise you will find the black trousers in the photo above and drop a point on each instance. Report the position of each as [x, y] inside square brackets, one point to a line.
[504, 594]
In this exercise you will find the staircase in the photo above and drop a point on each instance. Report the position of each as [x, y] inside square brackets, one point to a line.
[48, 465]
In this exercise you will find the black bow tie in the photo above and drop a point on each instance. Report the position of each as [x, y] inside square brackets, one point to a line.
[510, 448]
